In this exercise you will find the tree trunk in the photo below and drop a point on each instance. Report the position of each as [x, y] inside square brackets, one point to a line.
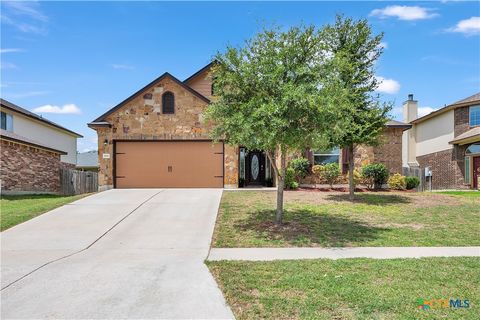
[351, 167]
[281, 186]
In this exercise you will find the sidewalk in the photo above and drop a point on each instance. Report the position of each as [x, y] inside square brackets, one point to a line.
[269, 254]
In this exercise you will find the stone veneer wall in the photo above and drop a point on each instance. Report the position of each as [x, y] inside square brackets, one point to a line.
[142, 118]
[28, 169]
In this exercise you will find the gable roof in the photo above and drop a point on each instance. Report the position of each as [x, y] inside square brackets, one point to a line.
[208, 66]
[475, 98]
[136, 94]
[398, 124]
[13, 107]
[10, 136]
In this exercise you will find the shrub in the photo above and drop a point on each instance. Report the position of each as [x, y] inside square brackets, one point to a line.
[290, 182]
[396, 182]
[301, 167]
[411, 182]
[375, 175]
[357, 177]
[330, 173]
[317, 170]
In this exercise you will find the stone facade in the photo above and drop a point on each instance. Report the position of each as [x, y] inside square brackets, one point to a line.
[141, 118]
[28, 169]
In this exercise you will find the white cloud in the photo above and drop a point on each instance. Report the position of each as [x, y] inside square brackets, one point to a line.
[469, 26]
[121, 66]
[409, 13]
[65, 109]
[26, 8]
[8, 50]
[389, 86]
[423, 111]
[7, 65]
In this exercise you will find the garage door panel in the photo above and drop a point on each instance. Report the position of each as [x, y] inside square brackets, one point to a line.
[169, 164]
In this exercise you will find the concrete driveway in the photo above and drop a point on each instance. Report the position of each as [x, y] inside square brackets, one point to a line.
[117, 254]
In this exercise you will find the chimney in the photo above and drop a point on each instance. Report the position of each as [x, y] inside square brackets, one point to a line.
[410, 109]
[409, 143]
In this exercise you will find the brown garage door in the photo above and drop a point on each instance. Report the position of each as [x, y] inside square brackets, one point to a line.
[168, 164]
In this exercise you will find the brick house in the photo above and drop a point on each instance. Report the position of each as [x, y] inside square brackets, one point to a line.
[33, 149]
[157, 137]
[446, 140]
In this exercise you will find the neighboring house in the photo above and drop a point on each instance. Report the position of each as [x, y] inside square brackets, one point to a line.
[87, 161]
[446, 140]
[157, 137]
[33, 151]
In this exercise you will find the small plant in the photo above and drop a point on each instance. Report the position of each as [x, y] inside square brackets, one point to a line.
[290, 182]
[330, 173]
[357, 177]
[317, 170]
[269, 182]
[301, 167]
[375, 175]
[396, 182]
[411, 182]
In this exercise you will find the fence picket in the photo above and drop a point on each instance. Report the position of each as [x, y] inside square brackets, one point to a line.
[77, 182]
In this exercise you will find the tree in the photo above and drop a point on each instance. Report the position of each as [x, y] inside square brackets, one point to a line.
[358, 117]
[269, 96]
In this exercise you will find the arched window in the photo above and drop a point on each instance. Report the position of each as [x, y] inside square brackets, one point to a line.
[168, 103]
[473, 149]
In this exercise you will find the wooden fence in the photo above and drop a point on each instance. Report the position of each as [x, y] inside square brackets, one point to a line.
[420, 174]
[77, 182]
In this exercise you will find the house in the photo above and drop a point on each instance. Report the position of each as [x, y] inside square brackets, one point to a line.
[33, 151]
[157, 137]
[447, 141]
[87, 161]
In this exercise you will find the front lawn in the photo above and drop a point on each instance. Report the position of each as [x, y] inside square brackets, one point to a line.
[17, 209]
[349, 288]
[328, 219]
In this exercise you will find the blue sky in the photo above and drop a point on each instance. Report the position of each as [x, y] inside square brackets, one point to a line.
[72, 61]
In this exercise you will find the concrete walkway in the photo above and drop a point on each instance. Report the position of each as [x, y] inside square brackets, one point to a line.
[269, 254]
[118, 254]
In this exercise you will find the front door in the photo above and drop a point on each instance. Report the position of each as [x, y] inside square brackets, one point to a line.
[476, 171]
[255, 168]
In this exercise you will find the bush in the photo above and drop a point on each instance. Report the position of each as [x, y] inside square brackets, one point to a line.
[396, 182]
[411, 182]
[374, 175]
[317, 170]
[330, 173]
[290, 182]
[301, 167]
[357, 177]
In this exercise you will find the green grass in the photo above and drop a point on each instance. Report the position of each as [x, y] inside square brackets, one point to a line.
[348, 288]
[472, 194]
[20, 208]
[330, 220]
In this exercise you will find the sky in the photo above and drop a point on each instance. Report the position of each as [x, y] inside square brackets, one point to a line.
[72, 61]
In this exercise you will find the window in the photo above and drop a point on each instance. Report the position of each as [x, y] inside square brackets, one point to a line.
[474, 116]
[7, 121]
[473, 149]
[324, 157]
[168, 103]
[467, 170]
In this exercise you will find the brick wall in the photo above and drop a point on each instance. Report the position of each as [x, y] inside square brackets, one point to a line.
[390, 151]
[25, 168]
[448, 168]
[141, 118]
[462, 123]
